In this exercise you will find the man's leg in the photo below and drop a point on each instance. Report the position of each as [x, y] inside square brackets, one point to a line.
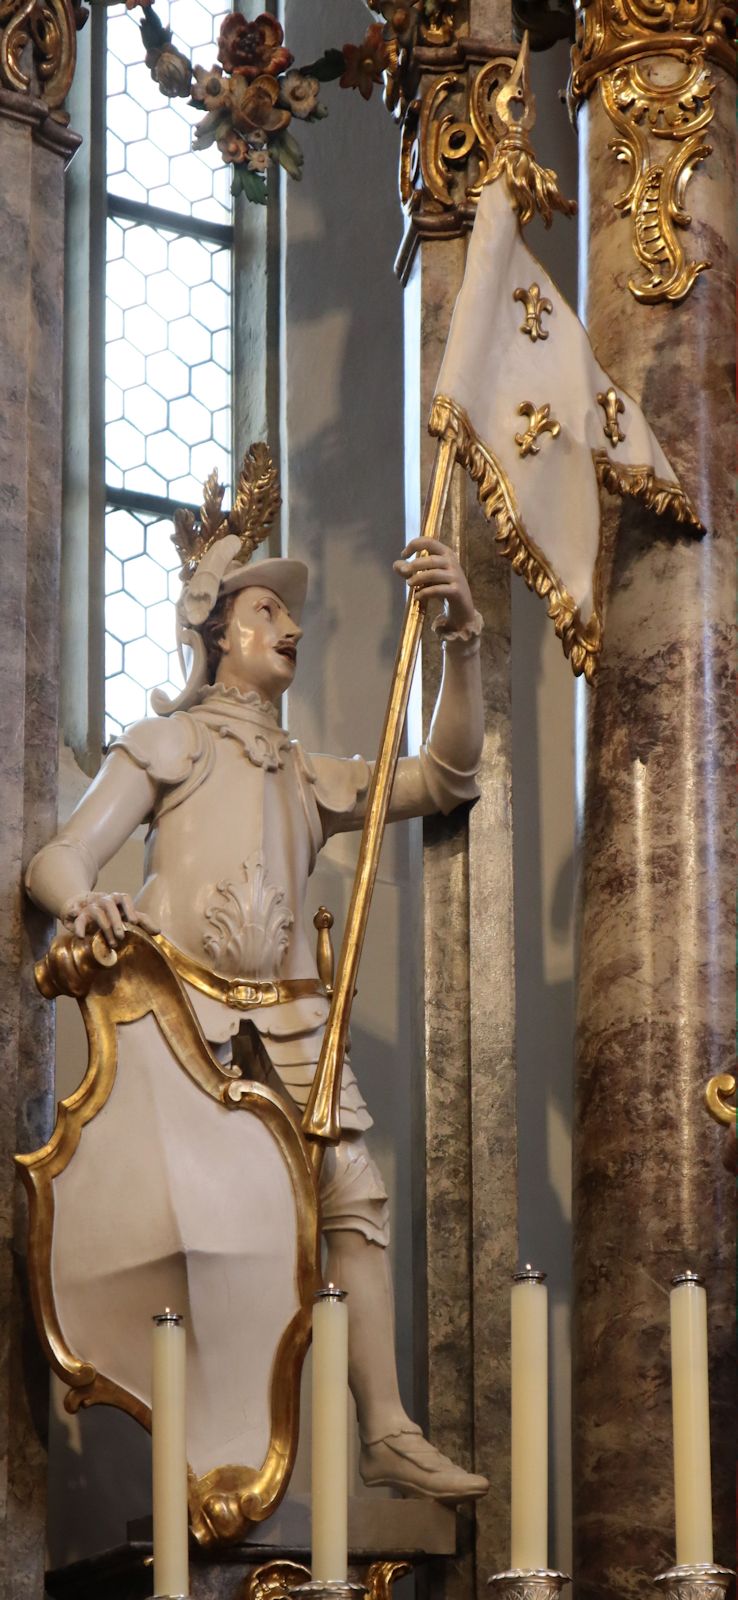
[394, 1452]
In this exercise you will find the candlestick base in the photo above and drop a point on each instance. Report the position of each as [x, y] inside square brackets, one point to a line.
[328, 1589]
[534, 1584]
[703, 1581]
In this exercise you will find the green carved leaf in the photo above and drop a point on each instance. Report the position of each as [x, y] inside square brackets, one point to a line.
[329, 66]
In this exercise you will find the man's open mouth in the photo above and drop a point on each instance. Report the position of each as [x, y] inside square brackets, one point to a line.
[289, 650]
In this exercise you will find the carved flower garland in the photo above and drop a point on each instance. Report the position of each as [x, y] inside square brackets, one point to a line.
[254, 93]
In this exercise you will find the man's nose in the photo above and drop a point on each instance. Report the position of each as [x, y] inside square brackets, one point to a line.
[293, 633]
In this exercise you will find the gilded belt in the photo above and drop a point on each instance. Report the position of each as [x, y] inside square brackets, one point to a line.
[244, 994]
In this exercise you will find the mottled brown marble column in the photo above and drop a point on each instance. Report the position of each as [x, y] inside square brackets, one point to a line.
[466, 1211]
[655, 1003]
[33, 151]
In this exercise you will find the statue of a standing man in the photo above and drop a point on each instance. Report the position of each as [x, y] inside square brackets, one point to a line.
[236, 814]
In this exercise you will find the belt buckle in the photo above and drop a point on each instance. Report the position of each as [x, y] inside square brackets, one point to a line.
[244, 995]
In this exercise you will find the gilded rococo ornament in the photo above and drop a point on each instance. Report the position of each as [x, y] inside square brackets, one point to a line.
[38, 47]
[465, 110]
[660, 117]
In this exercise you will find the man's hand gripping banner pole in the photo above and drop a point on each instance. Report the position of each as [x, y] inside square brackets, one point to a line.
[321, 1122]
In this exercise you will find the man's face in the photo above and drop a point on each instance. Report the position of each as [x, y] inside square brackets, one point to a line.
[259, 645]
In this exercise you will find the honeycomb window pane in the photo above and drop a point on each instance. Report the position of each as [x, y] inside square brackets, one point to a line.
[125, 699]
[146, 481]
[124, 42]
[113, 655]
[113, 401]
[125, 618]
[147, 163]
[123, 184]
[125, 284]
[126, 446]
[146, 663]
[113, 322]
[156, 134]
[115, 154]
[124, 534]
[170, 132]
[145, 409]
[160, 546]
[146, 248]
[168, 375]
[168, 356]
[168, 295]
[160, 625]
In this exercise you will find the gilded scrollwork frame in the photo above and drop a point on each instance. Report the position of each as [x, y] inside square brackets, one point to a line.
[114, 988]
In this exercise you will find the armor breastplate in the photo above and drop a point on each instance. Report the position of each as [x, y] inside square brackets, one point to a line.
[230, 850]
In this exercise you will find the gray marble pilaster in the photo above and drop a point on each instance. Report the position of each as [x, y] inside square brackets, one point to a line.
[33, 151]
[466, 1201]
[656, 990]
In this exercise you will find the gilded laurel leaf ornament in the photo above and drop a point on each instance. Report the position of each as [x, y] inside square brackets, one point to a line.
[536, 305]
[257, 500]
[613, 408]
[540, 422]
[255, 505]
[38, 47]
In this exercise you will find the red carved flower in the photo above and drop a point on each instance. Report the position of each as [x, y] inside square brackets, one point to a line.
[365, 62]
[250, 49]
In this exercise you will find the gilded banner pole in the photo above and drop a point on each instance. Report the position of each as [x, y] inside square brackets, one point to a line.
[321, 1120]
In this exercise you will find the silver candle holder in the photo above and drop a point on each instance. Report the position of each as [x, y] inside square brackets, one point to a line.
[528, 1584]
[702, 1581]
[329, 1589]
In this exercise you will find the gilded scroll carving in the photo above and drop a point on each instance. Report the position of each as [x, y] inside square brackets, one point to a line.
[38, 47]
[659, 135]
[650, 60]
[610, 33]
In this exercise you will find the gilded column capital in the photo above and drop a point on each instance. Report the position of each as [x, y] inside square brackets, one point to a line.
[650, 61]
[440, 84]
[615, 33]
[38, 49]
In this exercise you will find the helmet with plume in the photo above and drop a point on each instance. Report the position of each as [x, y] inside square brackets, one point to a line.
[215, 548]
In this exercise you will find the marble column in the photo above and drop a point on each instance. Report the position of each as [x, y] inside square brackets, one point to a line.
[655, 999]
[466, 1201]
[34, 148]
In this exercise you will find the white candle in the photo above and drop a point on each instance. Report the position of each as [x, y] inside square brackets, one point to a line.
[529, 1401]
[169, 1452]
[330, 1437]
[691, 1415]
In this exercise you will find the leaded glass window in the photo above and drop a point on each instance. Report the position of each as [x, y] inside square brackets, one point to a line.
[168, 347]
